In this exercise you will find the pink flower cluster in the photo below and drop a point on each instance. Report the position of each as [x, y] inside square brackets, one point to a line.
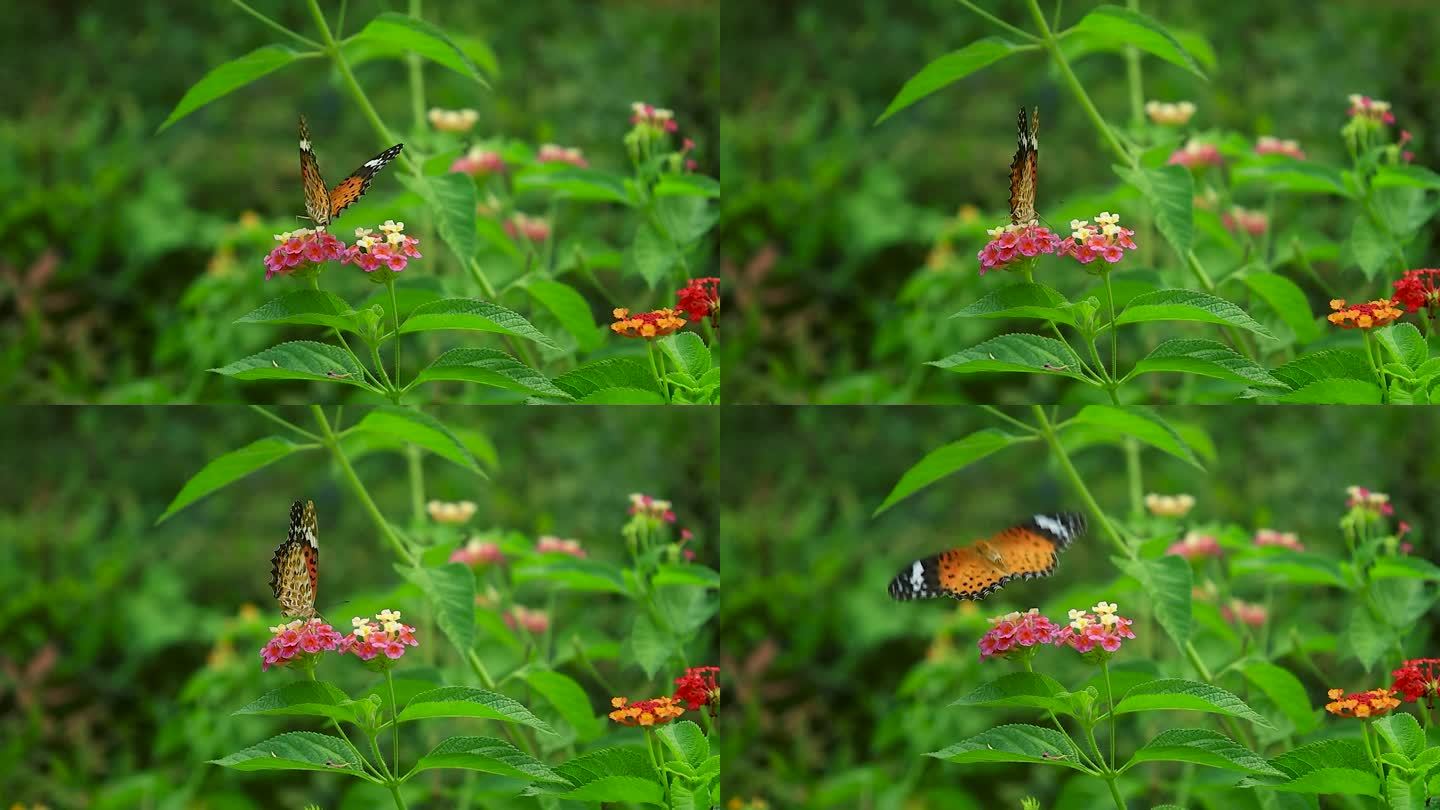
[1195, 154]
[1373, 109]
[392, 250]
[1270, 537]
[552, 153]
[643, 114]
[1270, 145]
[549, 544]
[478, 162]
[1022, 630]
[384, 635]
[1016, 241]
[477, 553]
[1244, 612]
[1376, 502]
[298, 642]
[651, 507]
[1195, 546]
[1252, 222]
[533, 229]
[534, 622]
[303, 247]
[1104, 628]
[1105, 239]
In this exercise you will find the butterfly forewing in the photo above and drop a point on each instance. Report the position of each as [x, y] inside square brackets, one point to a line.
[324, 204]
[354, 187]
[295, 568]
[1024, 170]
[1030, 549]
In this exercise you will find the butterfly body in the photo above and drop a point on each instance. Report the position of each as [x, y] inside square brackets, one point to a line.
[322, 203]
[1024, 170]
[295, 568]
[1028, 550]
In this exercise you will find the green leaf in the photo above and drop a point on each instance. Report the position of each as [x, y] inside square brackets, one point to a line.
[574, 183]
[1017, 352]
[1411, 176]
[1369, 245]
[649, 644]
[488, 755]
[1291, 568]
[298, 360]
[686, 574]
[1292, 176]
[1402, 732]
[229, 77]
[489, 367]
[569, 699]
[1179, 694]
[1335, 392]
[418, 36]
[1014, 743]
[651, 255]
[622, 396]
[945, 460]
[1188, 305]
[1324, 365]
[684, 220]
[1029, 690]
[466, 701]
[297, 751]
[1122, 27]
[1171, 190]
[1138, 423]
[421, 429]
[688, 351]
[593, 576]
[310, 307]
[1368, 636]
[305, 698]
[1021, 301]
[472, 314]
[1405, 568]
[1202, 747]
[608, 775]
[1207, 358]
[1327, 766]
[452, 199]
[1167, 581]
[947, 69]
[1404, 343]
[570, 308]
[1288, 302]
[1403, 794]
[688, 185]
[686, 741]
[1285, 691]
[228, 468]
[451, 591]
[613, 372]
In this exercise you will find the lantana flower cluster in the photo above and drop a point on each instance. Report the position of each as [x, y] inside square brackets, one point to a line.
[699, 687]
[648, 115]
[1417, 678]
[1371, 315]
[302, 250]
[651, 507]
[479, 162]
[531, 229]
[1377, 503]
[453, 120]
[1017, 633]
[1106, 239]
[554, 153]
[1248, 613]
[647, 325]
[1270, 145]
[392, 250]
[1418, 289]
[478, 553]
[1169, 113]
[549, 544]
[384, 635]
[1104, 628]
[453, 512]
[1195, 154]
[1252, 222]
[647, 713]
[1374, 703]
[1370, 108]
[1015, 244]
[1195, 546]
[700, 298]
[1100, 631]
[299, 642]
[1270, 537]
[535, 622]
[1169, 505]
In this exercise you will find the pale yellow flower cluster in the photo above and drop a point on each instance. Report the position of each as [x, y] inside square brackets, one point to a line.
[1169, 505]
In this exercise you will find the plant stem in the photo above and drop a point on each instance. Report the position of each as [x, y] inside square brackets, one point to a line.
[1110, 699]
[654, 369]
[999, 414]
[417, 484]
[1080, 361]
[395, 722]
[1133, 77]
[1029, 667]
[417, 76]
[1114, 330]
[1115, 793]
[365, 763]
[1091, 111]
[315, 284]
[277, 26]
[274, 418]
[395, 793]
[386, 531]
[1370, 354]
[395, 312]
[1134, 477]
[980, 12]
[520, 740]
[1077, 483]
[368, 109]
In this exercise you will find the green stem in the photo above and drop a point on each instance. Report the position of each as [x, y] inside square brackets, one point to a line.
[277, 26]
[999, 414]
[395, 312]
[417, 76]
[1114, 330]
[1132, 75]
[655, 370]
[1134, 477]
[650, 744]
[1077, 483]
[390, 389]
[365, 763]
[1091, 111]
[274, 418]
[478, 666]
[1237, 339]
[368, 109]
[980, 12]
[395, 793]
[315, 284]
[1115, 793]
[1080, 361]
[386, 530]
[394, 722]
[1372, 356]
[1110, 700]
[1086, 761]
[417, 484]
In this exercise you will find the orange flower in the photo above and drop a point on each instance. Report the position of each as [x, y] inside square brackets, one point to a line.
[648, 325]
[654, 712]
[1374, 703]
[1380, 312]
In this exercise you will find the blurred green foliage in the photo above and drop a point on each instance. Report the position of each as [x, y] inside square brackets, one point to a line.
[842, 237]
[840, 691]
[130, 644]
[126, 255]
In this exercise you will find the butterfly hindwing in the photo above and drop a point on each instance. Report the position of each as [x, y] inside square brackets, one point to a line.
[1024, 170]
[295, 568]
[1030, 549]
[352, 188]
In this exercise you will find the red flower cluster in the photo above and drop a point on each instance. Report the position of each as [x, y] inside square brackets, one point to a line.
[1417, 290]
[1374, 703]
[700, 298]
[651, 507]
[554, 153]
[698, 687]
[1023, 630]
[1016, 242]
[476, 553]
[549, 544]
[1105, 239]
[298, 642]
[1244, 612]
[1419, 677]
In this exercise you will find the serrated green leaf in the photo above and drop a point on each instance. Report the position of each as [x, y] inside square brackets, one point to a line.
[418, 36]
[1188, 305]
[574, 183]
[1403, 733]
[297, 751]
[1334, 392]
[1285, 691]
[228, 468]
[1289, 567]
[420, 429]
[1368, 636]
[687, 574]
[488, 755]
[466, 701]
[451, 591]
[1123, 28]
[490, 367]
[948, 69]
[613, 372]
[1171, 190]
[1021, 301]
[570, 308]
[1404, 343]
[298, 360]
[1016, 352]
[595, 576]
[1405, 568]
[452, 200]
[1014, 743]
[1172, 694]
[1326, 766]
[229, 77]
[1285, 174]
[1207, 358]
[569, 700]
[1028, 690]
[946, 460]
[304, 698]
[472, 314]
[1138, 423]
[688, 351]
[1288, 302]
[686, 741]
[1324, 365]
[622, 396]
[1167, 581]
[649, 644]
[309, 307]
[1202, 747]
[1369, 245]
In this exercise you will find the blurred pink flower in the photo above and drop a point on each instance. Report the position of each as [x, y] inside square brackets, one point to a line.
[1245, 612]
[551, 153]
[1270, 145]
[1195, 154]
[534, 622]
[1195, 546]
[478, 162]
[549, 544]
[477, 552]
[533, 229]
[1270, 537]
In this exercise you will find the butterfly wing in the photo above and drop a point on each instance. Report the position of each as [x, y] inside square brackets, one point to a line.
[1028, 550]
[1024, 170]
[295, 568]
[354, 187]
[317, 194]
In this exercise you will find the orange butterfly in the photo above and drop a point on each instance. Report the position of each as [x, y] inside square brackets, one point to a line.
[1026, 551]
[1024, 171]
[295, 568]
[323, 203]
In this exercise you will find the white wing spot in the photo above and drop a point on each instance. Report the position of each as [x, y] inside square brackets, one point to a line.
[304, 145]
[1055, 527]
[917, 577]
[311, 539]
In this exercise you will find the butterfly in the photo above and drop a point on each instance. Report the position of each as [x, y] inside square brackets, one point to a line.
[295, 568]
[1026, 551]
[1024, 170]
[324, 204]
